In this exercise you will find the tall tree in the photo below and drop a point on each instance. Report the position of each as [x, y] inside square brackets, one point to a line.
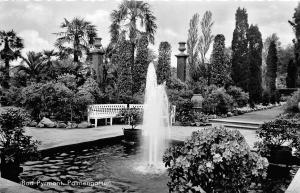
[127, 18]
[77, 36]
[255, 62]
[239, 70]
[192, 46]
[12, 46]
[291, 75]
[296, 26]
[265, 50]
[219, 65]
[123, 58]
[139, 70]
[206, 37]
[33, 65]
[164, 63]
[272, 60]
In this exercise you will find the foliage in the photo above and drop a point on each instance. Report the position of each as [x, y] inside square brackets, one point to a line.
[255, 62]
[192, 46]
[163, 69]
[81, 100]
[11, 96]
[239, 70]
[132, 115]
[214, 160]
[291, 74]
[219, 67]
[240, 98]
[292, 103]
[139, 70]
[184, 112]
[206, 37]
[266, 98]
[79, 34]
[15, 146]
[271, 68]
[124, 59]
[91, 86]
[69, 80]
[217, 102]
[125, 20]
[276, 133]
[12, 47]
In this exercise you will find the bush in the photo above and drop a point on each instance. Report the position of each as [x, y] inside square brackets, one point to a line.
[239, 97]
[276, 133]
[214, 160]
[15, 146]
[266, 98]
[184, 112]
[69, 80]
[292, 103]
[275, 97]
[218, 102]
[133, 115]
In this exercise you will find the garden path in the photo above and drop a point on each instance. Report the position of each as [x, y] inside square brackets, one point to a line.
[59, 137]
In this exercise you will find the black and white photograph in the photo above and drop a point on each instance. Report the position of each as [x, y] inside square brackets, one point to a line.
[154, 96]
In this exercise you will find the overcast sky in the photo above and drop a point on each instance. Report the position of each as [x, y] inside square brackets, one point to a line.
[36, 21]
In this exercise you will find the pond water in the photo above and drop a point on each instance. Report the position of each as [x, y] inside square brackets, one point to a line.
[112, 168]
[95, 169]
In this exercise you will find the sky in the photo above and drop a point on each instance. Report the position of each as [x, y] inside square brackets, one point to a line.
[36, 21]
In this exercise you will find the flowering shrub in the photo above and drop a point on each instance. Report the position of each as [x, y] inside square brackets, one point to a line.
[217, 102]
[214, 160]
[239, 97]
[184, 112]
[276, 133]
[133, 116]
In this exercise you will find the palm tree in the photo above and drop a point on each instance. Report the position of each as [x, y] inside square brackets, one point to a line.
[12, 46]
[125, 21]
[78, 34]
[33, 65]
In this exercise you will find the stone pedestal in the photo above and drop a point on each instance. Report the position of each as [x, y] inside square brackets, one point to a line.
[181, 62]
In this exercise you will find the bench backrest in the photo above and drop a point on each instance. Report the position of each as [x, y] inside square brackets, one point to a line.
[141, 107]
[106, 108]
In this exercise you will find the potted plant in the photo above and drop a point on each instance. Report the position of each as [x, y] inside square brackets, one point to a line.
[134, 117]
[278, 138]
[15, 147]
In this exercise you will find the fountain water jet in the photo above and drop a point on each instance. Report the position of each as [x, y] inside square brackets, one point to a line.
[156, 130]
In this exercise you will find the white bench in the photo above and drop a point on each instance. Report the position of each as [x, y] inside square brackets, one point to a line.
[110, 111]
[104, 111]
[172, 113]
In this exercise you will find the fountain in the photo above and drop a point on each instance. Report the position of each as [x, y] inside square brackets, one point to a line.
[156, 130]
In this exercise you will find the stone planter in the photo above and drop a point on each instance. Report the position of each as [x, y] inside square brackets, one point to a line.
[132, 135]
[10, 171]
[197, 101]
[280, 155]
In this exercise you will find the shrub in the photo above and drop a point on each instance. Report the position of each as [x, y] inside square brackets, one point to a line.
[239, 97]
[69, 80]
[16, 147]
[218, 102]
[132, 115]
[266, 98]
[276, 133]
[184, 112]
[292, 103]
[80, 103]
[275, 97]
[213, 160]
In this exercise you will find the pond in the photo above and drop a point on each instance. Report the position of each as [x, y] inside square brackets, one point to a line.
[95, 169]
[109, 168]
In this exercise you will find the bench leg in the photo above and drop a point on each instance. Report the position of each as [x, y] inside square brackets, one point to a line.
[96, 121]
[105, 121]
[111, 121]
[89, 121]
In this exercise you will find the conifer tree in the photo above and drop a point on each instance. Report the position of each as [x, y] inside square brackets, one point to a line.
[219, 66]
[140, 66]
[291, 75]
[271, 68]
[255, 62]
[164, 63]
[239, 70]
